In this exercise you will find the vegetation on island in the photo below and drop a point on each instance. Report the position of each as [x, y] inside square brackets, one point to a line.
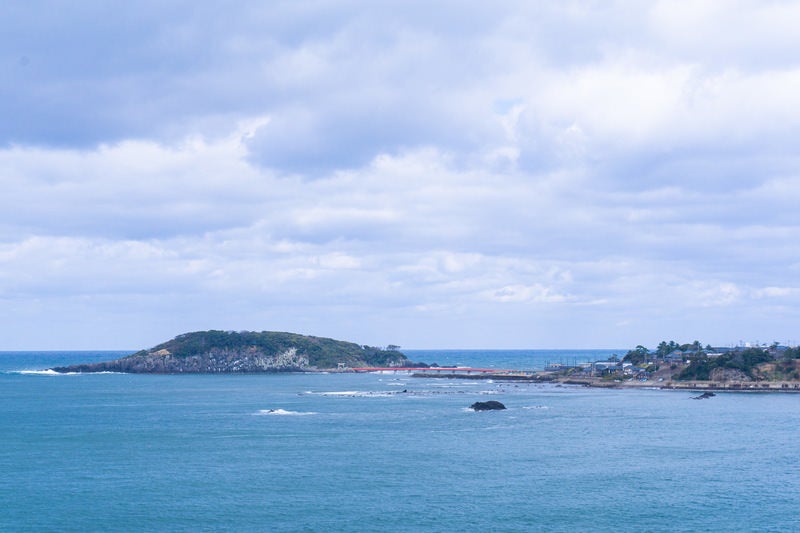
[248, 352]
[321, 352]
[693, 362]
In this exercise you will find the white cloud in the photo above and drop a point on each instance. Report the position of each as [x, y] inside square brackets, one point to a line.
[359, 171]
[746, 32]
[527, 293]
[715, 294]
[777, 292]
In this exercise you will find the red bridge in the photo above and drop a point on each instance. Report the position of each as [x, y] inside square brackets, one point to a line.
[459, 369]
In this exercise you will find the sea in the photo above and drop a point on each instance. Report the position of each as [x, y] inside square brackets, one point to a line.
[386, 452]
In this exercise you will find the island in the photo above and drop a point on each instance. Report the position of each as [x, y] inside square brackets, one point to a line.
[225, 352]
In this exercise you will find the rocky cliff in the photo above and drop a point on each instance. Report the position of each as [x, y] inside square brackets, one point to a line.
[206, 352]
[728, 374]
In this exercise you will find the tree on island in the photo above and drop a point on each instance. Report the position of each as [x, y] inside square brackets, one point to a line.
[694, 361]
[637, 356]
[792, 353]
[746, 361]
[666, 348]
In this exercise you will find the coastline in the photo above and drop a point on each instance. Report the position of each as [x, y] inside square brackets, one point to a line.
[716, 386]
[600, 383]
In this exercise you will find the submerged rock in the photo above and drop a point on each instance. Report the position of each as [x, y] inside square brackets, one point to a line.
[704, 396]
[491, 405]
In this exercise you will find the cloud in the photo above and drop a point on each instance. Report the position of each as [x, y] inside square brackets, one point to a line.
[445, 175]
[529, 293]
[342, 84]
[777, 292]
[756, 35]
[133, 189]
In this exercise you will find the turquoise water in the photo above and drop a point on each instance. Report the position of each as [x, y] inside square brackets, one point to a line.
[347, 452]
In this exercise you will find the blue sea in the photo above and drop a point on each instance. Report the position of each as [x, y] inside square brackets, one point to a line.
[386, 452]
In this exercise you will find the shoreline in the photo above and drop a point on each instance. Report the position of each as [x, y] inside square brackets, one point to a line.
[599, 383]
[516, 376]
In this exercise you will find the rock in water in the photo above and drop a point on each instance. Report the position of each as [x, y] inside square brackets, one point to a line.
[491, 405]
[704, 396]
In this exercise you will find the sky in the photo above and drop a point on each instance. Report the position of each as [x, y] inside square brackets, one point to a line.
[572, 174]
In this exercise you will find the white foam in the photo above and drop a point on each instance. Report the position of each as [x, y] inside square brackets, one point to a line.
[536, 407]
[51, 372]
[337, 393]
[356, 394]
[284, 412]
[48, 372]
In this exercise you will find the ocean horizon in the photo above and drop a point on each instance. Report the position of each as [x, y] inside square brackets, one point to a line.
[385, 452]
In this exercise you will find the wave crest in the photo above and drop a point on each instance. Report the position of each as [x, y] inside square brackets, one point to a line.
[283, 412]
[51, 372]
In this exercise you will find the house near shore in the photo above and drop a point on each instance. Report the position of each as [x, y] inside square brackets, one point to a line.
[677, 356]
[606, 367]
[777, 350]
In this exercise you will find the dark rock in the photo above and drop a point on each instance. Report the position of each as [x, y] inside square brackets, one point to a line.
[704, 396]
[491, 405]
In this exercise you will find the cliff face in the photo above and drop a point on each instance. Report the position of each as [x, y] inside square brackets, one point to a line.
[728, 374]
[206, 352]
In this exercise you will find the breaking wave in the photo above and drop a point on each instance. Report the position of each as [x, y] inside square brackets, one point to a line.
[51, 372]
[283, 412]
[356, 394]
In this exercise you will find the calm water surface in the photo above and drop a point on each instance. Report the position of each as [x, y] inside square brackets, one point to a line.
[385, 452]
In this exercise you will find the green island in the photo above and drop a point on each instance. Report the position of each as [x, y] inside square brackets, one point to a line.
[218, 352]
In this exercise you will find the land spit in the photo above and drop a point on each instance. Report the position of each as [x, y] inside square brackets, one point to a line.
[597, 382]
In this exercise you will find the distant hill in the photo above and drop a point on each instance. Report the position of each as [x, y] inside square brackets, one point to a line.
[211, 352]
